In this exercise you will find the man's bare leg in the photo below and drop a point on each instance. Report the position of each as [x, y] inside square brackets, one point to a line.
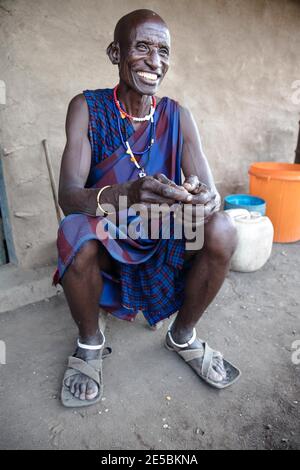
[204, 279]
[82, 284]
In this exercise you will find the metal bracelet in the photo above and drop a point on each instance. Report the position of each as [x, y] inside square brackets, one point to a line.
[105, 213]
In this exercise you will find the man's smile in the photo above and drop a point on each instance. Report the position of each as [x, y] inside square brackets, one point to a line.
[148, 77]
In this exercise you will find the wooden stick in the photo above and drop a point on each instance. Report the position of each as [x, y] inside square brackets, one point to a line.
[52, 180]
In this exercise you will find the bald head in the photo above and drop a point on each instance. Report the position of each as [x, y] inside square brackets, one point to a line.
[125, 24]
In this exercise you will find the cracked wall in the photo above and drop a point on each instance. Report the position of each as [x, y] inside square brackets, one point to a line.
[233, 63]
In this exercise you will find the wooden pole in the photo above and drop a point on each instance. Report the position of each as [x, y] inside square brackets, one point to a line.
[52, 180]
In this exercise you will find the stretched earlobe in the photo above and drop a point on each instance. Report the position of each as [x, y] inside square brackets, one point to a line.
[113, 52]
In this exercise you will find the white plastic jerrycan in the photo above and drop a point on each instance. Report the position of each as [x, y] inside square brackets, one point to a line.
[255, 239]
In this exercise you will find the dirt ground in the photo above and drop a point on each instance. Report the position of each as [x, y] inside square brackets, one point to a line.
[254, 321]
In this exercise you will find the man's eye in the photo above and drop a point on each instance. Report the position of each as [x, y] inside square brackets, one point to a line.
[142, 47]
[164, 52]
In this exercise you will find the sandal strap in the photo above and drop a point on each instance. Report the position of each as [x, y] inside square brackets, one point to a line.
[90, 369]
[206, 353]
[190, 354]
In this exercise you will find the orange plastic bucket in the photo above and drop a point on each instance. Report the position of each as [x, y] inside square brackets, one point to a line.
[279, 185]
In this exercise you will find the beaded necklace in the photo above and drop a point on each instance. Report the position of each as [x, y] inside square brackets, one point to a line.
[134, 118]
[126, 144]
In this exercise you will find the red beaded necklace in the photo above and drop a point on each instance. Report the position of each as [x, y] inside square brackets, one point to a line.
[126, 115]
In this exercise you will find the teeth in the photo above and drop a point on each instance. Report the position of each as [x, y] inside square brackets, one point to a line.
[150, 76]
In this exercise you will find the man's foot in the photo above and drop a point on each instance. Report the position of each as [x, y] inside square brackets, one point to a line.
[216, 372]
[80, 385]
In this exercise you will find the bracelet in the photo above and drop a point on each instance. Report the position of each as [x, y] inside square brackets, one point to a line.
[98, 201]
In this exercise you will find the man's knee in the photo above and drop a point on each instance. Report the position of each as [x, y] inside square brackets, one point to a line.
[86, 256]
[220, 236]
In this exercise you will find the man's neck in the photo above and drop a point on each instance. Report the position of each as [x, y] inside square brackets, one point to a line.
[132, 102]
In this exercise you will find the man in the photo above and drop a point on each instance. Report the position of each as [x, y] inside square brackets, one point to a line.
[125, 142]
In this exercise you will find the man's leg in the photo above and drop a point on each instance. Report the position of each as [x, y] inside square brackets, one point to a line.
[204, 279]
[82, 284]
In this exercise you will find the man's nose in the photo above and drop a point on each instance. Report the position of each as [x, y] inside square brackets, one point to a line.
[154, 60]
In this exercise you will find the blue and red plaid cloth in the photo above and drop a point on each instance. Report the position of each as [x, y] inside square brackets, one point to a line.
[151, 271]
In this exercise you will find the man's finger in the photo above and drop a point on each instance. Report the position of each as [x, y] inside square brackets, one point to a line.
[202, 198]
[153, 198]
[202, 188]
[209, 209]
[191, 183]
[165, 180]
[170, 192]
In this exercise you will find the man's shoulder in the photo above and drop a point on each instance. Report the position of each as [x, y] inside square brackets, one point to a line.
[185, 118]
[167, 99]
[88, 97]
[77, 104]
[184, 110]
[185, 114]
[97, 93]
[78, 100]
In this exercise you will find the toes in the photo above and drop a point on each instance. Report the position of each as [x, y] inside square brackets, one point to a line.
[91, 390]
[67, 382]
[218, 365]
[73, 387]
[213, 375]
[77, 391]
[82, 388]
[218, 372]
[220, 369]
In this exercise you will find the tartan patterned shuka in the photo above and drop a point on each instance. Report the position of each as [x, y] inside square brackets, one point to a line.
[151, 271]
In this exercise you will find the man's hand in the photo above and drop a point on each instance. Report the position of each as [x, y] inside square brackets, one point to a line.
[157, 190]
[203, 195]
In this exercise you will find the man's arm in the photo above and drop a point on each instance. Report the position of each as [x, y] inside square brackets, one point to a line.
[195, 166]
[75, 167]
[194, 161]
[76, 162]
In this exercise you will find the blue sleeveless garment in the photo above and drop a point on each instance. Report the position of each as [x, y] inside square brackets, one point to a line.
[151, 276]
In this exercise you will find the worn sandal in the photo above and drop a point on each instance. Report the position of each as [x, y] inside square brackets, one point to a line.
[232, 372]
[91, 368]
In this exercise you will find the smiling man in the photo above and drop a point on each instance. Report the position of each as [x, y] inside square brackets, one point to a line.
[128, 142]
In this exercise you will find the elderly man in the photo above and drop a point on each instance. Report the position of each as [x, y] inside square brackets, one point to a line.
[126, 142]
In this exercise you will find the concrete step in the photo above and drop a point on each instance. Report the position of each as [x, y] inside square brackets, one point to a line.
[19, 286]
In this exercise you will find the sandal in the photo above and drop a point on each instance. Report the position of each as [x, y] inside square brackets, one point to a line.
[91, 368]
[208, 354]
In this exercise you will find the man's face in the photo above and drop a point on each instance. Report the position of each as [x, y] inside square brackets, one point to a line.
[144, 58]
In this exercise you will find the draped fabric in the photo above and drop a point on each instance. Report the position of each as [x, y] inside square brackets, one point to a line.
[151, 271]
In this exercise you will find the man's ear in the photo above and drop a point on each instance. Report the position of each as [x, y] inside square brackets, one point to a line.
[113, 52]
